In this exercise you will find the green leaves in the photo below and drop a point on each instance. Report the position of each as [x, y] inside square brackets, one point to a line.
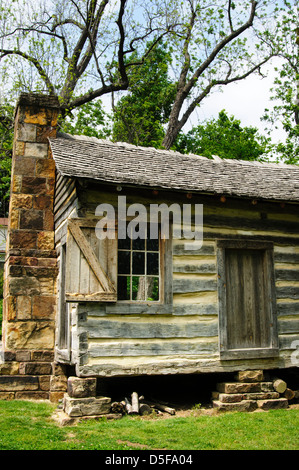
[226, 138]
[90, 119]
[6, 138]
[139, 116]
[285, 91]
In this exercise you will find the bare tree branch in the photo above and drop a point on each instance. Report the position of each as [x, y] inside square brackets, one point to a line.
[35, 62]
[185, 86]
[214, 84]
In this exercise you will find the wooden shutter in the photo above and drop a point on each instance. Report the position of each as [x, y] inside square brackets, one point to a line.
[91, 264]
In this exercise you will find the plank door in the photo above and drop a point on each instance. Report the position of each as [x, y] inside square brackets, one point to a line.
[247, 301]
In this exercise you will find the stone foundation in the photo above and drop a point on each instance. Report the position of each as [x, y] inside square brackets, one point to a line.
[32, 375]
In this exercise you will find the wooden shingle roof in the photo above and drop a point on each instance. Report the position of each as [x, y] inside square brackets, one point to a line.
[121, 163]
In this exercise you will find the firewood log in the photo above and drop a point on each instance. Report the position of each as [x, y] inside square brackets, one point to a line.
[161, 407]
[145, 409]
[118, 407]
[289, 394]
[279, 385]
[128, 406]
[135, 402]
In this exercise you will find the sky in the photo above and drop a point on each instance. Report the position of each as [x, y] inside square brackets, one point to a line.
[245, 100]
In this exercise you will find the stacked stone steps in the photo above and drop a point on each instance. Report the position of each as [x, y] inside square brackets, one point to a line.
[248, 393]
[81, 399]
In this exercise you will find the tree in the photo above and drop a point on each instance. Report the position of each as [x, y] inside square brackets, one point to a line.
[67, 43]
[219, 43]
[82, 50]
[89, 119]
[6, 138]
[285, 91]
[225, 138]
[139, 116]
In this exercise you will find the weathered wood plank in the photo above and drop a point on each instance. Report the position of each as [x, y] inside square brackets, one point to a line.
[194, 285]
[157, 365]
[287, 274]
[245, 286]
[130, 329]
[205, 309]
[180, 249]
[288, 308]
[96, 297]
[287, 342]
[195, 309]
[251, 224]
[278, 239]
[193, 268]
[287, 293]
[254, 353]
[90, 257]
[288, 326]
[62, 193]
[286, 257]
[84, 277]
[152, 349]
[73, 260]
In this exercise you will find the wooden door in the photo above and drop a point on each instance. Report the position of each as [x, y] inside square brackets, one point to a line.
[247, 305]
[247, 299]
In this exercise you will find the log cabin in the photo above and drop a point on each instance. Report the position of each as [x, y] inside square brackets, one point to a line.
[119, 306]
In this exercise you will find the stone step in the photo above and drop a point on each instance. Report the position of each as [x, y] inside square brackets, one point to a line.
[244, 405]
[75, 407]
[273, 404]
[244, 387]
[237, 397]
[18, 383]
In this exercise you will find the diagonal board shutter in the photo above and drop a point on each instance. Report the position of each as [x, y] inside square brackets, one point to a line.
[91, 264]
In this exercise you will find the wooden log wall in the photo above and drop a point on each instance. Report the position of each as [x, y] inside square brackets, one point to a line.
[185, 340]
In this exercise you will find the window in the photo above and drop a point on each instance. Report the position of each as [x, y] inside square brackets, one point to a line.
[247, 317]
[138, 269]
[124, 276]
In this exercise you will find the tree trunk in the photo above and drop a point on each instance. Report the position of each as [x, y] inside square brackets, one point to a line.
[174, 125]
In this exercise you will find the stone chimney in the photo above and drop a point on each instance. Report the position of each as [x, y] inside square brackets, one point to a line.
[30, 267]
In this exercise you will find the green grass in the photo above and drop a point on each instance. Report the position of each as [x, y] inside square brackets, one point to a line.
[26, 425]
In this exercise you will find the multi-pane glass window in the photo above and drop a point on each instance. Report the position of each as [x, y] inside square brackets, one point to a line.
[138, 269]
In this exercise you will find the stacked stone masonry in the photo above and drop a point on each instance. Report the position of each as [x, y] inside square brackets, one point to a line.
[32, 375]
[248, 393]
[31, 265]
[81, 400]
